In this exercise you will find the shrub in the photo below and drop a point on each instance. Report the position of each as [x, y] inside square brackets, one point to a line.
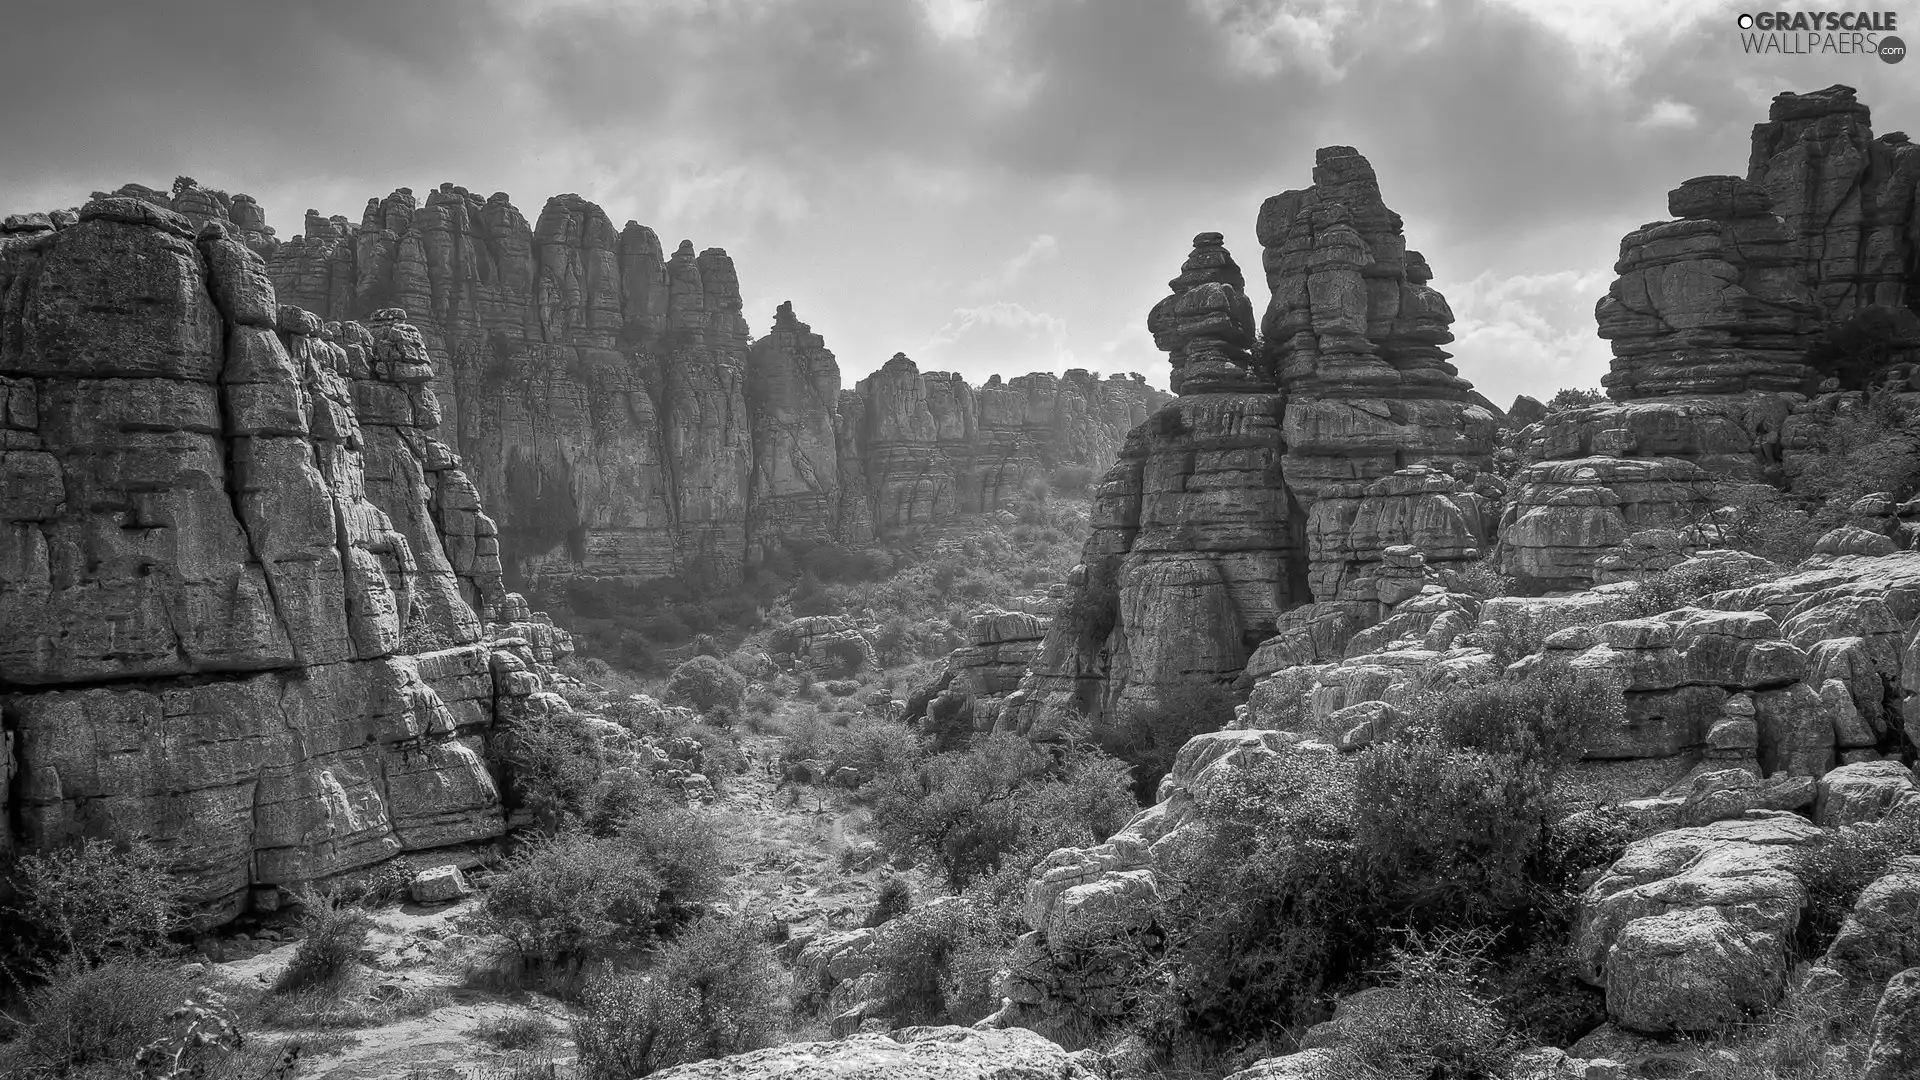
[715, 991]
[1841, 863]
[521, 1031]
[1573, 398]
[1444, 836]
[571, 897]
[682, 849]
[894, 899]
[971, 811]
[331, 937]
[1435, 1020]
[920, 981]
[553, 762]
[1149, 736]
[97, 1015]
[1072, 479]
[1548, 715]
[706, 684]
[1265, 910]
[97, 901]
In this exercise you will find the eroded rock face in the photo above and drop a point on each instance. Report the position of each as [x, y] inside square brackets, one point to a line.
[1354, 334]
[616, 415]
[1301, 493]
[1711, 303]
[249, 591]
[1843, 195]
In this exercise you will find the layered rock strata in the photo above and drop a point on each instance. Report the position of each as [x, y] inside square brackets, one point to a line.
[622, 423]
[256, 612]
[1274, 496]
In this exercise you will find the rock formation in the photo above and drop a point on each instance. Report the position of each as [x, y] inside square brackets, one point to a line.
[256, 612]
[619, 420]
[1274, 496]
[1711, 303]
[1354, 333]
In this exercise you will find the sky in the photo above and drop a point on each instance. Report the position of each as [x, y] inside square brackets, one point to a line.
[985, 185]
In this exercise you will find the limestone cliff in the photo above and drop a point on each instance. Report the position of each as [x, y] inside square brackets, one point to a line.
[617, 415]
[254, 610]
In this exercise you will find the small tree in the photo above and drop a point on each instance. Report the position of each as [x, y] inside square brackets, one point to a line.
[706, 684]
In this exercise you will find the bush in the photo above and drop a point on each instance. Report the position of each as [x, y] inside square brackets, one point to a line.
[1149, 736]
[518, 1032]
[928, 965]
[706, 684]
[971, 811]
[331, 937]
[553, 762]
[1072, 479]
[894, 899]
[1573, 398]
[95, 902]
[1549, 715]
[1841, 863]
[96, 1016]
[1266, 908]
[682, 849]
[572, 897]
[1445, 837]
[1679, 586]
[1434, 1019]
[715, 991]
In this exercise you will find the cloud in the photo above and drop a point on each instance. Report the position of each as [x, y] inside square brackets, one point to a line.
[1529, 334]
[1004, 336]
[876, 161]
[1008, 272]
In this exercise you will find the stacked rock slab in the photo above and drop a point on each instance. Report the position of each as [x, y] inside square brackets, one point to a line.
[1194, 552]
[1303, 492]
[1354, 333]
[1844, 196]
[1711, 303]
[245, 584]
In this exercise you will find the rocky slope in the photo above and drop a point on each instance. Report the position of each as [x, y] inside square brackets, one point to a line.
[255, 609]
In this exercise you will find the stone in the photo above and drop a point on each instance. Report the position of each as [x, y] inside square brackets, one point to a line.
[1691, 971]
[1894, 1052]
[1863, 792]
[439, 885]
[245, 622]
[1881, 936]
[1742, 868]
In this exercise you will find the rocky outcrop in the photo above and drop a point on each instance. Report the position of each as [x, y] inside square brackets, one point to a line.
[1301, 492]
[1710, 303]
[1845, 197]
[256, 612]
[1354, 333]
[620, 421]
[793, 390]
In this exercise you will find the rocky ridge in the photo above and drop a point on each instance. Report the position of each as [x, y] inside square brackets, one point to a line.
[624, 422]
